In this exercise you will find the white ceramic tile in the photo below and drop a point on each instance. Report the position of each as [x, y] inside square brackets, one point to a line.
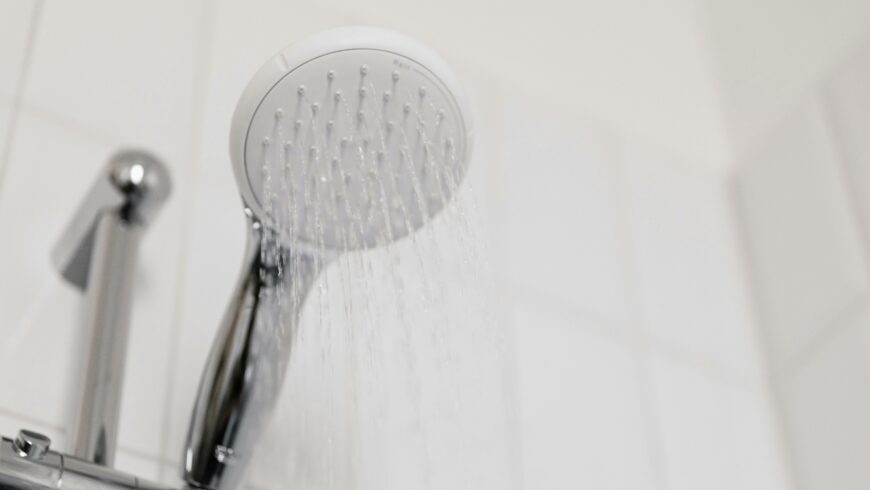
[803, 246]
[246, 35]
[126, 69]
[44, 182]
[43, 336]
[562, 233]
[826, 402]
[15, 23]
[648, 73]
[484, 187]
[770, 55]
[687, 259]
[848, 103]
[714, 435]
[582, 421]
[5, 123]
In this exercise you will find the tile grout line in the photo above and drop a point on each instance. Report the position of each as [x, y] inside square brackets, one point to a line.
[845, 177]
[622, 333]
[775, 406]
[639, 345]
[35, 17]
[842, 321]
[70, 124]
[200, 84]
[19, 417]
[502, 291]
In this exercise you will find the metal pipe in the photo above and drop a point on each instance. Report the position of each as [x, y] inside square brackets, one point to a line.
[94, 432]
[97, 253]
[28, 463]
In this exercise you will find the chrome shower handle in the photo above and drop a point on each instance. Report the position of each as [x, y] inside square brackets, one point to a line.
[246, 366]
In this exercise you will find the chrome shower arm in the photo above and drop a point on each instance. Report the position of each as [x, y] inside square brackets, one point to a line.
[245, 369]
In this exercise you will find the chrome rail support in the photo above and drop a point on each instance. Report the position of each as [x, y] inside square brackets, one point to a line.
[97, 253]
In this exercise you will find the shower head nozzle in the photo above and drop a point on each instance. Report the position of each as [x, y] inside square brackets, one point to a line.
[350, 139]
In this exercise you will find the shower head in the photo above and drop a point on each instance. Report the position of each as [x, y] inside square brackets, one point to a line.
[350, 139]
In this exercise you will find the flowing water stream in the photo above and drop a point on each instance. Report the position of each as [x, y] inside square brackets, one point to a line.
[399, 373]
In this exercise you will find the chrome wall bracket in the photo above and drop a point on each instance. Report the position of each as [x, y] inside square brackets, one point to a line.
[97, 252]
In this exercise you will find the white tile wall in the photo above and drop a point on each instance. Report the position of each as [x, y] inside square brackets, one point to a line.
[17, 20]
[848, 103]
[125, 69]
[688, 263]
[6, 104]
[715, 434]
[562, 236]
[826, 402]
[36, 304]
[762, 72]
[582, 417]
[802, 242]
[655, 297]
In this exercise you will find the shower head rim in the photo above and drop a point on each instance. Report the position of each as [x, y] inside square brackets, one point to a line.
[322, 44]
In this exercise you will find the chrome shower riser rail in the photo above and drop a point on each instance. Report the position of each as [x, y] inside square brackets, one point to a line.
[27, 463]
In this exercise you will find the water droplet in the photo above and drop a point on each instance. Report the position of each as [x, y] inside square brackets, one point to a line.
[301, 90]
[330, 75]
[387, 96]
[279, 113]
[395, 76]
[422, 91]
[363, 70]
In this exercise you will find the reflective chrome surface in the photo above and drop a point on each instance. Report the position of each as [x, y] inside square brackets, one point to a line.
[246, 366]
[47, 469]
[97, 253]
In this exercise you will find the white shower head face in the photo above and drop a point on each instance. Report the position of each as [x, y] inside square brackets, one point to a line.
[358, 141]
